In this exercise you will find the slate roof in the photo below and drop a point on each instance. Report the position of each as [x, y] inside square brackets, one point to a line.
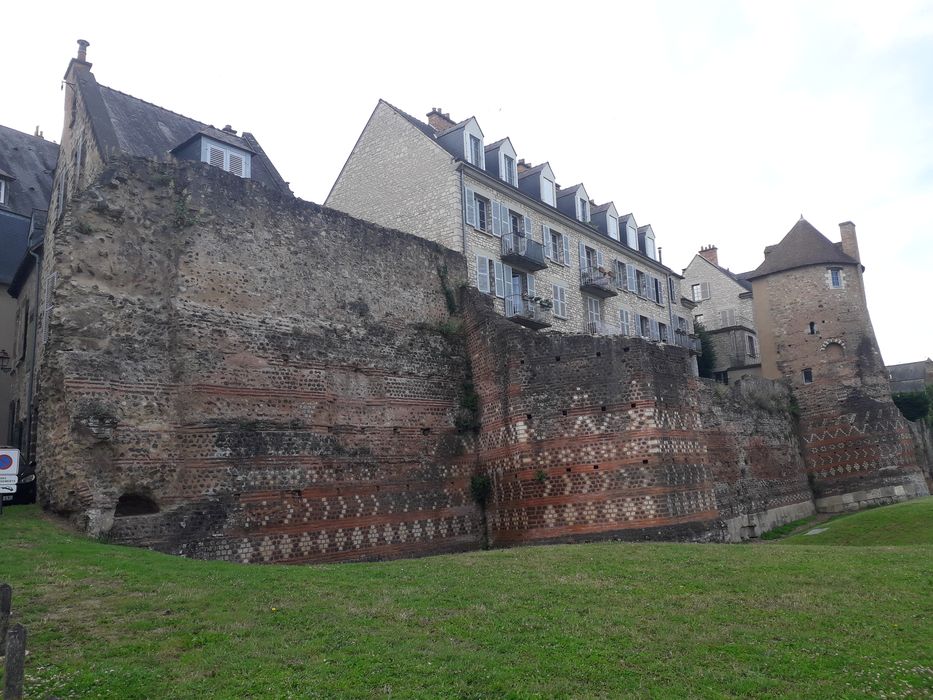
[532, 171]
[30, 160]
[601, 207]
[564, 191]
[495, 144]
[910, 376]
[423, 127]
[141, 128]
[737, 278]
[803, 245]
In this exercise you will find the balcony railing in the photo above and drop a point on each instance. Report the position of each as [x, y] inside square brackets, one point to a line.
[686, 340]
[522, 252]
[716, 322]
[597, 282]
[531, 312]
[602, 328]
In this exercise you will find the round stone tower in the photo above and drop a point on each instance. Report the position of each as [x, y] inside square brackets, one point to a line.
[815, 332]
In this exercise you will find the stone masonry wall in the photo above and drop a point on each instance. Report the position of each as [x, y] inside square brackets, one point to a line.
[858, 446]
[396, 176]
[275, 378]
[606, 437]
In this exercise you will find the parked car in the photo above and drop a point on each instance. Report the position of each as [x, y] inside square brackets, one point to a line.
[25, 487]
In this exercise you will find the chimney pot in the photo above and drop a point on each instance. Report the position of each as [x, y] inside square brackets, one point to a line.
[710, 253]
[82, 50]
[229, 130]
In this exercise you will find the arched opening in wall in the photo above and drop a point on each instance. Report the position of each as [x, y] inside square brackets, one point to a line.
[812, 328]
[835, 352]
[135, 504]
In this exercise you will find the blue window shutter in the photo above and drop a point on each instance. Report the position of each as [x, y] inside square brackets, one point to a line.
[469, 199]
[500, 280]
[507, 278]
[546, 240]
[531, 284]
[655, 333]
[599, 259]
[526, 223]
[582, 251]
[482, 273]
[565, 242]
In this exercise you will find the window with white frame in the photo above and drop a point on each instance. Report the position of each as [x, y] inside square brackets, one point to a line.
[625, 320]
[490, 276]
[476, 151]
[644, 326]
[548, 192]
[559, 299]
[631, 237]
[226, 157]
[594, 310]
[583, 209]
[612, 226]
[518, 223]
[700, 292]
[751, 346]
[835, 277]
[556, 245]
[478, 214]
[508, 169]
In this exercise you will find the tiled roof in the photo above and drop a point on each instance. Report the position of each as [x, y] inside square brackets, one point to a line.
[30, 161]
[803, 245]
[141, 128]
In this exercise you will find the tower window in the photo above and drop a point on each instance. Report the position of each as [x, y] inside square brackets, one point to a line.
[812, 328]
[835, 277]
[808, 376]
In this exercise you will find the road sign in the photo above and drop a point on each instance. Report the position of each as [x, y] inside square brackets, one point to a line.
[9, 461]
[8, 483]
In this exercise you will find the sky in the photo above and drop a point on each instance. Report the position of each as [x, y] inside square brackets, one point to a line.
[716, 122]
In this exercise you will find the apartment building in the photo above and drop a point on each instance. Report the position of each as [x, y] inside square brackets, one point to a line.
[724, 308]
[550, 257]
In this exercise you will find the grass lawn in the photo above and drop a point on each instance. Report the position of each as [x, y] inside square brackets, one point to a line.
[595, 621]
[907, 523]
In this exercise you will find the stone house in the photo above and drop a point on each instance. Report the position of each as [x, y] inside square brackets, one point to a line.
[724, 308]
[27, 163]
[816, 334]
[99, 122]
[549, 256]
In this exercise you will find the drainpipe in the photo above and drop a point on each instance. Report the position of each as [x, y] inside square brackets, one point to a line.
[463, 231]
[35, 342]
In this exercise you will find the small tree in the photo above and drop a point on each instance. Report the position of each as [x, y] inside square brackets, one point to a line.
[913, 404]
[707, 360]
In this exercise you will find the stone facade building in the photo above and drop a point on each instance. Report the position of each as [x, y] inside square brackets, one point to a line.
[816, 334]
[549, 256]
[27, 163]
[724, 308]
[911, 376]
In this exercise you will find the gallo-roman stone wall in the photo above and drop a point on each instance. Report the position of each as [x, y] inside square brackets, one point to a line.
[239, 375]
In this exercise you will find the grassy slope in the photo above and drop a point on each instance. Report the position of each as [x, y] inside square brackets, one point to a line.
[600, 620]
[907, 523]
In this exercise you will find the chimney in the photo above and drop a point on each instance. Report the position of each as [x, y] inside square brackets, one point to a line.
[82, 50]
[440, 120]
[711, 254]
[849, 241]
[523, 166]
[660, 260]
[229, 130]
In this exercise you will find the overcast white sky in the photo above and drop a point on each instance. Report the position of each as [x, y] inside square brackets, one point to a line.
[716, 122]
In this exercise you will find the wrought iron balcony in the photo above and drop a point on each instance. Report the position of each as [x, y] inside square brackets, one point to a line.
[531, 312]
[522, 252]
[602, 328]
[597, 282]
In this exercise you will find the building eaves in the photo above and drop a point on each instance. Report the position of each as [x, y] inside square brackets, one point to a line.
[802, 246]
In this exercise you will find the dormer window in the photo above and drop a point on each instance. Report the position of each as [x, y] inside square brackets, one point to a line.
[583, 210]
[225, 157]
[4, 191]
[613, 227]
[475, 151]
[508, 169]
[548, 192]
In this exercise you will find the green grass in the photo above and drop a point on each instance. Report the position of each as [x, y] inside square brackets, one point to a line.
[591, 621]
[903, 524]
[783, 531]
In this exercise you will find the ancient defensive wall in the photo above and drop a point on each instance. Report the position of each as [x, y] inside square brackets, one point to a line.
[234, 374]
